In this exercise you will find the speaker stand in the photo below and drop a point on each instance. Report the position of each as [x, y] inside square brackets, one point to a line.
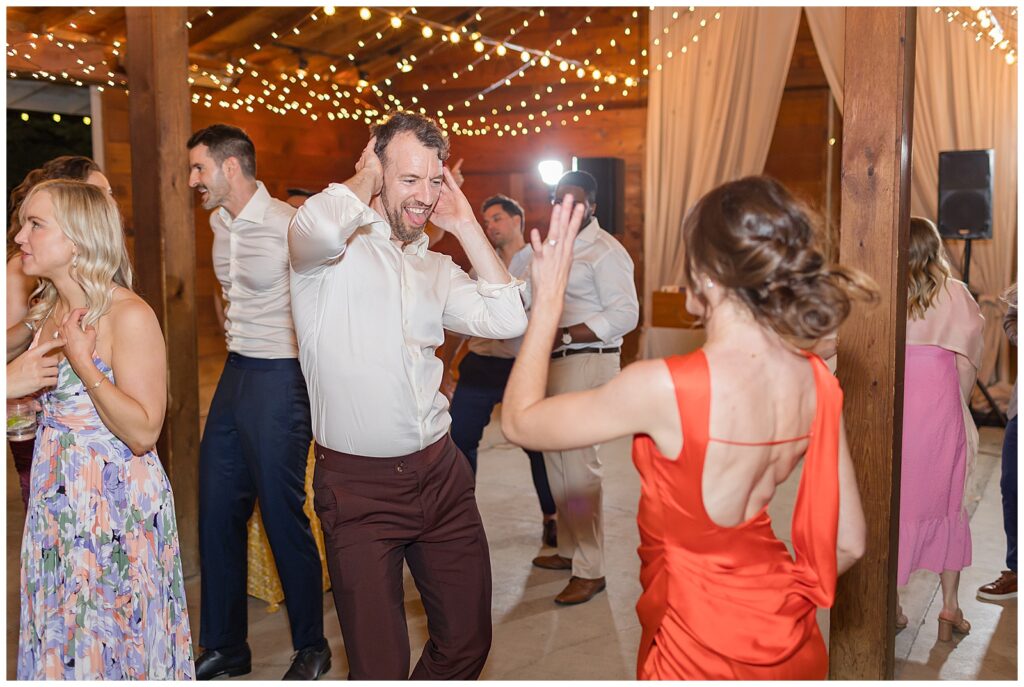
[1000, 418]
[967, 263]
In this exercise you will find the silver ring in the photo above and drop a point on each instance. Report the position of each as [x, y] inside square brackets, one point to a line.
[552, 242]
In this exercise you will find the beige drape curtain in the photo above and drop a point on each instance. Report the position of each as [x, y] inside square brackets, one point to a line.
[828, 31]
[710, 116]
[965, 97]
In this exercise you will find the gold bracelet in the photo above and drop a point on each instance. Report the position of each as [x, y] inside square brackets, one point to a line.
[90, 387]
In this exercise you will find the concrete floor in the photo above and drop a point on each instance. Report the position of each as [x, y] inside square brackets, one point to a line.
[536, 640]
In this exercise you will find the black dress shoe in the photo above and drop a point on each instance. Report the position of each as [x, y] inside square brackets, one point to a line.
[230, 661]
[310, 663]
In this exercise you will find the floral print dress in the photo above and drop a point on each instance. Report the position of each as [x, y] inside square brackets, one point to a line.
[102, 594]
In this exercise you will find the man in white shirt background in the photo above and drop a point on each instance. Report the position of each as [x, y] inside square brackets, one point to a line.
[370, 304]
[256, 440]
[486, 366]
[601, 307]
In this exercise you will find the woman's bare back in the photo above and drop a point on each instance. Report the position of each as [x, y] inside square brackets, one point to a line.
[763, 402]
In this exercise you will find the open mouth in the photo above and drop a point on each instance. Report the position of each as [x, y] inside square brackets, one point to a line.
[416, 216]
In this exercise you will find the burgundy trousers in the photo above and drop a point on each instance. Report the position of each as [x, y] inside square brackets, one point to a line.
[420, 509]
[22, 452]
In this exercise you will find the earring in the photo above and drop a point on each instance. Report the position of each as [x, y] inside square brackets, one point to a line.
[74, 260]
[710, 284]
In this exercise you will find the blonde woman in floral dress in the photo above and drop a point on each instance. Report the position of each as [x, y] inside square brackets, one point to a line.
[102, 595]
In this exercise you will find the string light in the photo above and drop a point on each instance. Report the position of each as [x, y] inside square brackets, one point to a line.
[281, 105]
[984, 18]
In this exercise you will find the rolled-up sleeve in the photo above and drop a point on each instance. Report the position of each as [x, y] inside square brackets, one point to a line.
[620, 311]
[323, 225]
[476, 308]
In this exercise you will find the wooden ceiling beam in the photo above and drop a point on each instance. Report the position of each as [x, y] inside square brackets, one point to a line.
[206, 27]
[235, 44]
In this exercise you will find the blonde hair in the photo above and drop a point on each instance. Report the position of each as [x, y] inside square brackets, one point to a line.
[90, 219]
[64, 167]
[927, 267]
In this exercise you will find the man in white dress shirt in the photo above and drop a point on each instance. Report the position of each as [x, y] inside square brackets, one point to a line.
[601, 307]
[484, 371]
[371, 303]
[256, 440]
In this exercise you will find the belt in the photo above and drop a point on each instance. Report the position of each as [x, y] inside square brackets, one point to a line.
[573, 351]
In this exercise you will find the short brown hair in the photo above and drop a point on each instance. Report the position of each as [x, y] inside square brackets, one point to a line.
[511, 207]
[224, 141]
[422, 127]
[752, 237]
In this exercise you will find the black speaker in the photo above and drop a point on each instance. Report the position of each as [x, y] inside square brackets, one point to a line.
[610, 173]
[965, 194]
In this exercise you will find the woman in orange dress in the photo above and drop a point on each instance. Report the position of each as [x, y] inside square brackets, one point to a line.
[716, 431]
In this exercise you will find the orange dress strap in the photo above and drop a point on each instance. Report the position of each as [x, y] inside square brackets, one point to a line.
[815, 524]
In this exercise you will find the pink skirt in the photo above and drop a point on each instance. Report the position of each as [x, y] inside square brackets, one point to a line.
[934, 529]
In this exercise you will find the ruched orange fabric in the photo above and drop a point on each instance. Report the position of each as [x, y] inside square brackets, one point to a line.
[722, 603]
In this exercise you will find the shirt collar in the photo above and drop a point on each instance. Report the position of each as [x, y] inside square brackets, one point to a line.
[418, 247]
[254, 210]
[589, 233]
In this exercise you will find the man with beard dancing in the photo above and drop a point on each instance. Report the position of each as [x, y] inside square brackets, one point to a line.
[371, 303]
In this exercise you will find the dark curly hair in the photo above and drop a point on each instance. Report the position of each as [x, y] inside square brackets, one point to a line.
[752, 237]
[74, 167]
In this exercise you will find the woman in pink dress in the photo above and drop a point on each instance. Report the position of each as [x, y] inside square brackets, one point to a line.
[943, 352]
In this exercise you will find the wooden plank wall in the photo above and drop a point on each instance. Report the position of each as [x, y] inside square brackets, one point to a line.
[290, 152]
[293, 151]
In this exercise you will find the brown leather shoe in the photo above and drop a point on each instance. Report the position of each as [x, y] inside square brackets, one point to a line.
[1003, 588]
[579, 590]
[553, 562]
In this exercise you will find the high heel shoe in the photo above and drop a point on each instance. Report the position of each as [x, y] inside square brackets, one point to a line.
[947, 626]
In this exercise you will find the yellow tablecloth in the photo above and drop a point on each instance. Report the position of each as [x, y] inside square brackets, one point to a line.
[263, 582]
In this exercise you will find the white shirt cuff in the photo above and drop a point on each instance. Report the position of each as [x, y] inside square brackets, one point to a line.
[494, 290]
[600, 325]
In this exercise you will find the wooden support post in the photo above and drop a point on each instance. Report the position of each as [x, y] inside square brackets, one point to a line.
[160, 120]
[878, 116]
